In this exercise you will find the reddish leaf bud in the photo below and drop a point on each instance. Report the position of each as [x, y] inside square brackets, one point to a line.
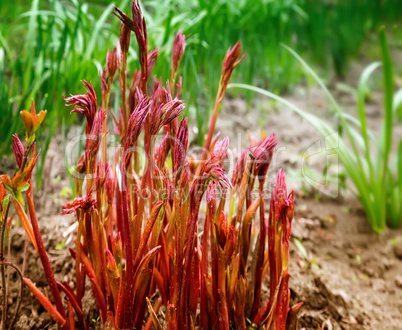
[136, 120]
[240, 166]
[125, 36]
[85, 103]
[185, 175]
[109, 184]
[232, 59]
[112, 62]
[152, 57]
[222, 228]
[220, 150]
[135, 123]
[18, 149]
[230, 243]
[263, 154]
[137, 25]
[165, 114]
[102, 171]
[180, 146]
[84, 203]
[80, 168]
[94, 138]
[179, 45]
[163, 151]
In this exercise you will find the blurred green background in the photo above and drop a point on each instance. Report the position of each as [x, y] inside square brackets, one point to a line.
[48, 46]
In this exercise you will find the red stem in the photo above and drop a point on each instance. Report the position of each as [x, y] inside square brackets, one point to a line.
[43, 255]
[121, 300]
[78, 271]
[260, 256]
[129, 258]
[72, 298]
[204, 271]
[211, 130]
[60, 320]
[186, 269]
[223, 314]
